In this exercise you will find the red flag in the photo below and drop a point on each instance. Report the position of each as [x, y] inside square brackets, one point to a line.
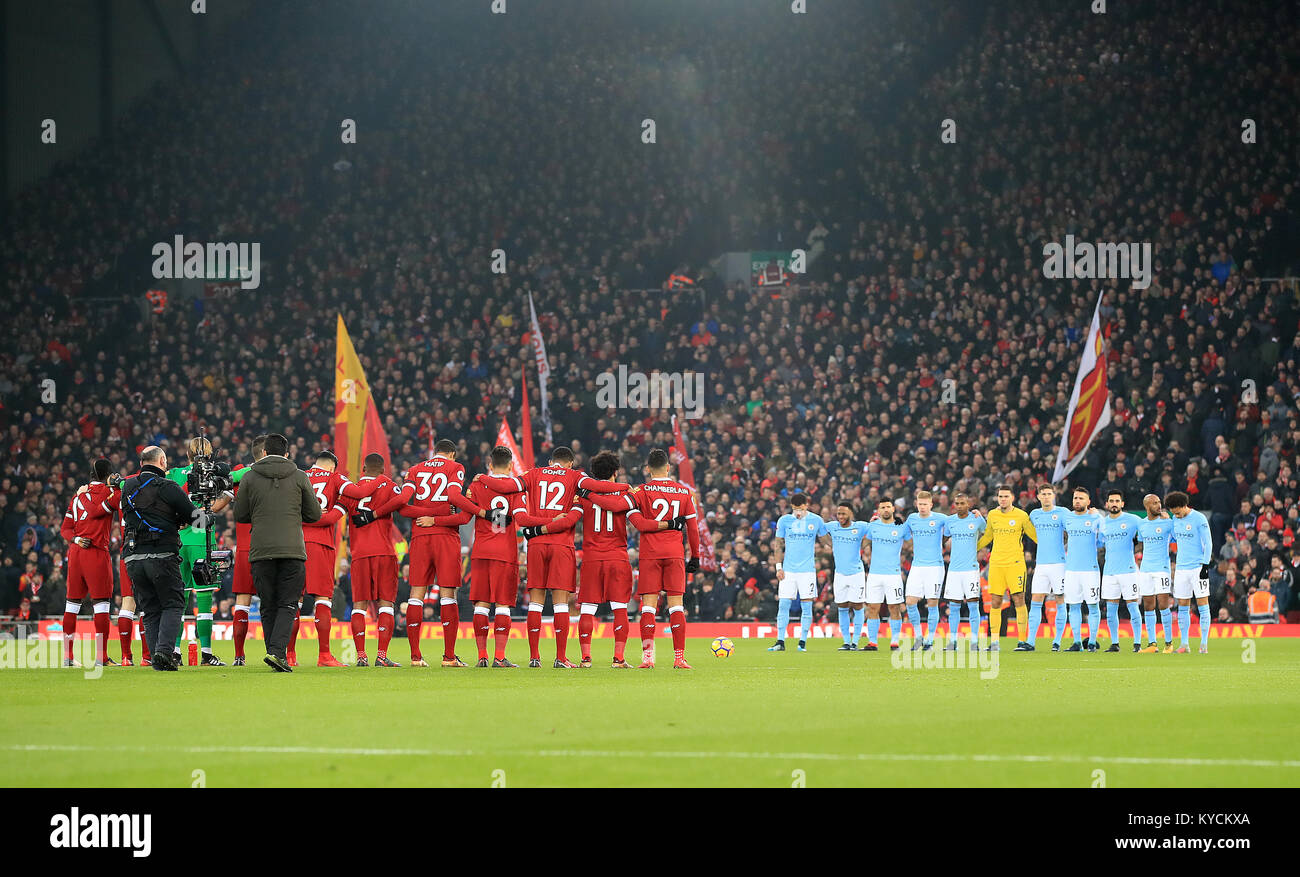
[504, 437]
[527, 426]
[685, 474]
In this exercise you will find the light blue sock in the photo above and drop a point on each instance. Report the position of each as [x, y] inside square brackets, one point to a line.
[1035, 619]
[931, 619]
[914, 616]
[1094, 621]
[846, 629]
[1205, 625]
[1167, 625]
[782, 617]
[1185, 624]
[954, 619]
[873, 626]
[1076, 620]
[1150, 617]
[973, 610]
[895, 628]
[805, 618]
[1112, 621]
[1135, 620]
[859, 616]
[1062, 615]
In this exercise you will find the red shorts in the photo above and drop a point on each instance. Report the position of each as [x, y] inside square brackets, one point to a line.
[90, 571]
[667, 574]
[435, 559]
[243, 583]
[604, 580]
[320, 570]
[553, 567]
[124, 580]
[493, 581]
[374, 578]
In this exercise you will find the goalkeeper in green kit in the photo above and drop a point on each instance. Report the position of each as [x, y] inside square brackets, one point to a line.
[192, 549]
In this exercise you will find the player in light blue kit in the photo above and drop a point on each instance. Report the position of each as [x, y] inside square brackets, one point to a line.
[850, 577]
[925, 579]
[1082, 577]
[1154, 576]
[796, 568]
[963, 531]
[1119, 574]
[885, 576]
[1049, 567]
[1192, 571]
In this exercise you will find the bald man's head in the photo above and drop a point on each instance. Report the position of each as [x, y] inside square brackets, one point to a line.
[153, 456]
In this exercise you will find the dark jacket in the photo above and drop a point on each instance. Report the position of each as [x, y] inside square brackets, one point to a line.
[276, 498]
[153, 511]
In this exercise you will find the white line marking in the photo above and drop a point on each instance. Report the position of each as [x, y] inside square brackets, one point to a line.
[602, 753]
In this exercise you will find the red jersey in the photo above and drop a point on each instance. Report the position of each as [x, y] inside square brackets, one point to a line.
[489, 542]
[604, 527]
[385, 497]
[437, 483]
[662, 499]
[90, 515]
[551, 492]
[329, 487]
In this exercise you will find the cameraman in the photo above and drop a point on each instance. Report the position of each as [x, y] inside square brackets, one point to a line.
[196, 541]
[153, 511]
[277, 499]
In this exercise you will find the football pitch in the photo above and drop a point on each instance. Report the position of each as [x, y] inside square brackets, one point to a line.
[821, 718]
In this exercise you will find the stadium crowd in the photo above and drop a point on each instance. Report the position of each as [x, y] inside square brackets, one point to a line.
[924, 348]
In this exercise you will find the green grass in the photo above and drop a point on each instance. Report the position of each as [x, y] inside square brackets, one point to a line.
[755, 719]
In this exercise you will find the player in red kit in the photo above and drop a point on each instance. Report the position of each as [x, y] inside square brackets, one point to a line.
[322, 538]
[374, 561]
[126, 616]
[663, 564]
[435, 551]
[86, 529]
[553, 511]
[242, 586]
[606, 574]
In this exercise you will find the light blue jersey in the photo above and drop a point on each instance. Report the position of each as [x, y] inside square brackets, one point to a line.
[1193, 535]
[1051, 534]
[886, 546]
[800, 537]
[1081, 541]
[927, 538]
[846, 545]
[965, 535]
[1155, 534]
[1117, 536]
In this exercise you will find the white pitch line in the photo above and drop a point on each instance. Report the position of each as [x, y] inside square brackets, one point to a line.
[602, 753]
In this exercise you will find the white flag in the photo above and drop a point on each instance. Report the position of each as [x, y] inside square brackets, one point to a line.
[1089, 411]
[543, 369]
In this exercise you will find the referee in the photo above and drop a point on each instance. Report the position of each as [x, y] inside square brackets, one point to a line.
[153, 511]
[276, 498]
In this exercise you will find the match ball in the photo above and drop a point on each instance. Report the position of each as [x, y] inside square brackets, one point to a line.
[722, 647]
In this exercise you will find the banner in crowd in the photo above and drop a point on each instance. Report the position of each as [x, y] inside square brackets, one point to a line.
[505, 438]
[526, 429]
[543, 369]
[686, 474]
[1089, 411]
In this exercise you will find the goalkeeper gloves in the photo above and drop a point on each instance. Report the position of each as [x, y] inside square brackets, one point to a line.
[363, 517]
[530, 532]
[693, 565]
[500, 518]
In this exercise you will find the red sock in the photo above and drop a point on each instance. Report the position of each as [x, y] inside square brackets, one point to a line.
[385, 630]
[414, 615]
[620, 632]
[677, 623]
[450, 615]
[502, 634]
[561, 633]
[324, 625]
[359, 632]
[144, 642]
[69, 633]
[293, 635]
[102, 627]
[124, 635]
[586, 623]
[534, 632]
[647, 631]
[241, 629]
[481, 625]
